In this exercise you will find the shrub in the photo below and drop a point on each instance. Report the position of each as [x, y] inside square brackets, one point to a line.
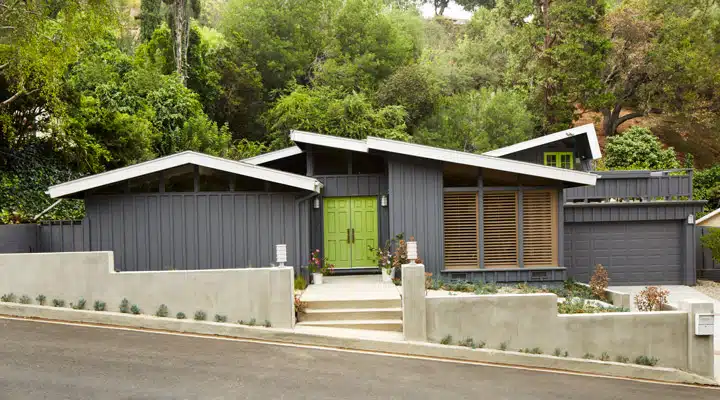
[599, 282]
[252, 322]
[468, 342]
[645, 360]
[503, 346]
[180, 315]
[8, 298]
[711, 240]
[605, 356]
[638, 148]
[536, 350]
[200, 315]
[267, 324]
[588, 356]
[652, 298]
[162, 311]
[125, 306]
[41, 299]
[300, 283]
[579, 306]
[80, 304]
[99, 305]
[24, 299]
[135, 309]
[446, 340]
[58, 303]
[622, 359]
[220, 318]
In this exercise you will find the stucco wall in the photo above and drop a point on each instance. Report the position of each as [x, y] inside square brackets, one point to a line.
[529, 321]
[240, 294]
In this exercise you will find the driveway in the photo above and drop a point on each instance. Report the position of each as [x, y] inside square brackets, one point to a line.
[679, 293]
[54, 361]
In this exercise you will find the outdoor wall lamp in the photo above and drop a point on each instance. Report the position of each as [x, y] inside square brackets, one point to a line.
[383, 200]
[412, 252]
[691, 219]
[281, 254]
[316, 203]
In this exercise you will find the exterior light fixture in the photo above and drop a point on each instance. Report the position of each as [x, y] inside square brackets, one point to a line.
[316, 203]
[383, 200]
[281, 254]
[691, 219]
[412, 252]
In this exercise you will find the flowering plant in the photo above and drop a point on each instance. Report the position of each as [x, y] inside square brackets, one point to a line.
[319, 265]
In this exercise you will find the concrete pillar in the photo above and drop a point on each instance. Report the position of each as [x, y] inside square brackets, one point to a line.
[413, 302]
[701, 351]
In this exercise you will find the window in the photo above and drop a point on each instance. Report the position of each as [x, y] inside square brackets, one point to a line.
[500, 229]
[539, 228]
[560, 160]
[460, 213]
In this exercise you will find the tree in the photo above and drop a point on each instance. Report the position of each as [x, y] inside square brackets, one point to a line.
[180, 12]
[438, 5]
[478, 121]
[638, 148]
[471, 5]
[151, 17]
[706, 186]
[413, 87]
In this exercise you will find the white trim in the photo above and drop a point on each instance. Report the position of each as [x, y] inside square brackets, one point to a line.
[707, 217]
[175, 160]
[588, 130]
[273, 155]
[481, 161]
[329, 141]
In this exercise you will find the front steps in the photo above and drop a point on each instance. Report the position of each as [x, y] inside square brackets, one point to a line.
[368, 314]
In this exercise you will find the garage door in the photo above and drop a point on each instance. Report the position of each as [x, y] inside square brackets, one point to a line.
[634, 253]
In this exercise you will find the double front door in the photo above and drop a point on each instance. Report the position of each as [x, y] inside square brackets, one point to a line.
[350, 227]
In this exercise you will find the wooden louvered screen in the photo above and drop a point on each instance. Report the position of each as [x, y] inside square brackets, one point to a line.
[539, 228]
[500, 231]
[460, 213]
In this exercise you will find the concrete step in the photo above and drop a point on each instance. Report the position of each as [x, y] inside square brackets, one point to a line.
[347, 304]
[345, 314]
[392, 325]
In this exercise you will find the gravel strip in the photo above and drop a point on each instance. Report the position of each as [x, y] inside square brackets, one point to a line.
[709, 288]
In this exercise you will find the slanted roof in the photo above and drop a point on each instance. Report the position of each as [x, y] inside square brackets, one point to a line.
[710, 220]
[273, 155]
[178, 159]
[588, 130]
[451, 156]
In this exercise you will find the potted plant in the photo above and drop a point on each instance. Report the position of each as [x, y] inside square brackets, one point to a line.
[390, 262]
[319, 267]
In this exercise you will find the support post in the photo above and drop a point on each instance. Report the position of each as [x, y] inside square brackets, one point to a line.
[700, 351]
[413, 302]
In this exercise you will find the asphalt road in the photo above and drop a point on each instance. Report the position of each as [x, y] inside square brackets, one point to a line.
[52, 361]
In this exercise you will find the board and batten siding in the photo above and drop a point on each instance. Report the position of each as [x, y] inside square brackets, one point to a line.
[184, 231]
[416, 207]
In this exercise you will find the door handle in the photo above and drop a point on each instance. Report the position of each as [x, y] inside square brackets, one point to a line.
[348, 235]
[353, 235]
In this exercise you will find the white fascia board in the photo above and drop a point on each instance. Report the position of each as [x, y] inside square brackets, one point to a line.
[329, 141]
[176, 160]
[481, 161]
[707, 217]
[588, 130]
[273, 155]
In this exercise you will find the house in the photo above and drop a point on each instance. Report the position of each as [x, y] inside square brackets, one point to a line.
[527, 212]
[711, 220]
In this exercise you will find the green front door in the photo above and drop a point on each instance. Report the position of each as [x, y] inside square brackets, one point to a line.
[350, 227]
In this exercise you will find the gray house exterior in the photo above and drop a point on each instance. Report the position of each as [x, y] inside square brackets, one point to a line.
[499, 217]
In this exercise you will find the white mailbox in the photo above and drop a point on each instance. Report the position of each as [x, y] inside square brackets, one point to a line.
[704, 324]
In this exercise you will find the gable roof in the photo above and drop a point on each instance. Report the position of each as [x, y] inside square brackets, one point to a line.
[273, 155]
[588, 130]
[183, 158]
[708, 219]
[451, 156]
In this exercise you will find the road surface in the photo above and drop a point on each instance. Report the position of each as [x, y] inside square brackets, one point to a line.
[53, 361]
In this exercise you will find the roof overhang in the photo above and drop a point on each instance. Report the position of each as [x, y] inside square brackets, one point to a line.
[481, 161]
[710, 220]
[273, 155]
[176, 160]
[329, 141]
[588, 130]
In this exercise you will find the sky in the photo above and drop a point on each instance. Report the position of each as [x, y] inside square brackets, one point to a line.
[452, 11]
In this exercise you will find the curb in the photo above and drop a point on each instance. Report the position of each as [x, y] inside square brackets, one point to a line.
[422, 349]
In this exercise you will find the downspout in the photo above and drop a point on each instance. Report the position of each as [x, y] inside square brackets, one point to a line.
[298, 203]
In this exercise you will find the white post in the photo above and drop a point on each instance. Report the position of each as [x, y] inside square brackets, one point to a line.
[281, 254]
[413, 302]
[700, 347]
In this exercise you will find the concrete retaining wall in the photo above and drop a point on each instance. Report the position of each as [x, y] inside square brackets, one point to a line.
[240, 294]
[530, 321]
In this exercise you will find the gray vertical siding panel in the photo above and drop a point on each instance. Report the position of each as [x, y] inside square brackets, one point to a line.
[353, 185]
[23, 238]
[415, 203]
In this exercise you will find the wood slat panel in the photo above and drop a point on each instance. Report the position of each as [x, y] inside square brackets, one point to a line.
[461, 230]
[500, 232]
[539, 228]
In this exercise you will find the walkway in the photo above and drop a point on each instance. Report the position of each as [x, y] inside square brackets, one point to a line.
[353, 287]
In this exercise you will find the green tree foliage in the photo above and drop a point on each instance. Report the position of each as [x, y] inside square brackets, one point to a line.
[638, 148]
[712, 242]
[706, 186]
[478, 121]
[151, 16]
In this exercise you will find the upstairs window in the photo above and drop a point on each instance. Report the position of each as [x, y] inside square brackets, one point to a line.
[559, 160]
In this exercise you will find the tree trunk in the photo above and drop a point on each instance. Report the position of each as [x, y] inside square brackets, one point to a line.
[180, 20]
[612, 119]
